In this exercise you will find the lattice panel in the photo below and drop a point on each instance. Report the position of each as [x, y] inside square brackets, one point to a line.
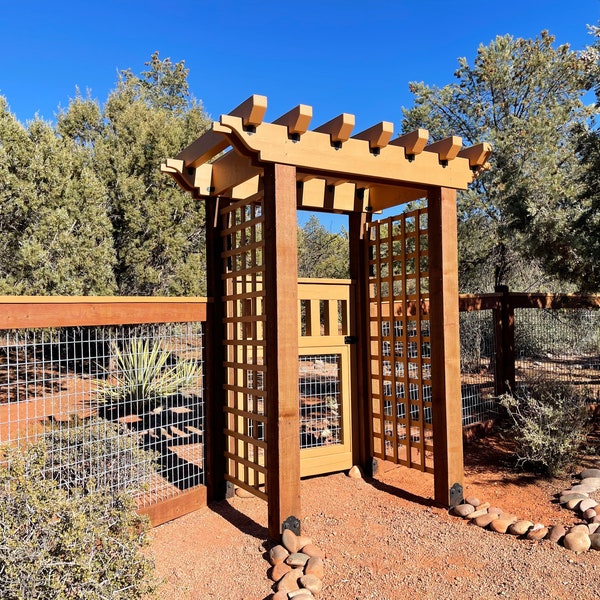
[245, 406]
[400, 348]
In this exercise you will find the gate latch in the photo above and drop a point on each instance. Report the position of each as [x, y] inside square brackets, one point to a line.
[350, 339]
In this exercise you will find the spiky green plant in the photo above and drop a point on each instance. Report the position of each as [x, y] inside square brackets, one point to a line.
[142, 375]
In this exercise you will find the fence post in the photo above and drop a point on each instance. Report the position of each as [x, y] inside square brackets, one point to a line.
[504, 338]
[281, 336]
[214, 357]
[362, 446]
[448, 471]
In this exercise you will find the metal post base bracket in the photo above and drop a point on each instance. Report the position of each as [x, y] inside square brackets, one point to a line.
[293, 524]
[456, 494]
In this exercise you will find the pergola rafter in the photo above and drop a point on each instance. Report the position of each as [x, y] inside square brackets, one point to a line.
[383, 171]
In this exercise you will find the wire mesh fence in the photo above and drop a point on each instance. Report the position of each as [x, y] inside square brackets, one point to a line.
[320, 401]
[561, 344]
[122, 404]
[477, 360]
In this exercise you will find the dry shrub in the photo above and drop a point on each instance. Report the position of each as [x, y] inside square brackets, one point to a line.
[549, 422]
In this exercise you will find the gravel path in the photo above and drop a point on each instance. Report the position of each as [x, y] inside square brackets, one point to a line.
[380, 542]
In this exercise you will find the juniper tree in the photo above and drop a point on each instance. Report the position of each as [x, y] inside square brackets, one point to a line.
[55, 233]
[525, 96]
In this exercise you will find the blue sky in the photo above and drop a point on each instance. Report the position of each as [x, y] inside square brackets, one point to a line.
[336, 55]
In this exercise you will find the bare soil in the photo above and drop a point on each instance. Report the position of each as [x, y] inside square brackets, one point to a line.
[385, 538]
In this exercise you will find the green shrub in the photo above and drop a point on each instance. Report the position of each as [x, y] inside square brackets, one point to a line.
[59, 544]
[549, 422]
[143, 376]
[98, 453]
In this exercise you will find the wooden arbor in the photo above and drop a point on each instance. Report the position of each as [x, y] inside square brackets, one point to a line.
[253, 176]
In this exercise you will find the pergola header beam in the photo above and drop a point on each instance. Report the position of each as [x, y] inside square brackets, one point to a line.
[387, 171]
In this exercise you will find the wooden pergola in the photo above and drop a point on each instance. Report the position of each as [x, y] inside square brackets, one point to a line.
[254, 175]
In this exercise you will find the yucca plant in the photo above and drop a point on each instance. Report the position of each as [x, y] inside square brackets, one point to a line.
[142, 376]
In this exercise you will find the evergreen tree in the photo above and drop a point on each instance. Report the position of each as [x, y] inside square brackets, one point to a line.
[525, 97]
[584, 266]
[158, 230]
[56, 236]
[322, 253]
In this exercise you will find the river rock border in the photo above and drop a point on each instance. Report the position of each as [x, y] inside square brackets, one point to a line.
[580, 537]
[296, 568]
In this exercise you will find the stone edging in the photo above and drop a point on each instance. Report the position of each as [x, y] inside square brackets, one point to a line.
[578, 538]
[296, 568]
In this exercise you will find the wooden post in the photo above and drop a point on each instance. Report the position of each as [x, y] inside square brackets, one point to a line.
[214, 357]
[504, 333]
[362, 449]
[281, 336]
[445, 347]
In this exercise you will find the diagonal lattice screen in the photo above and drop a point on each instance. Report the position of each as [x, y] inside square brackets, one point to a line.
[400, 349]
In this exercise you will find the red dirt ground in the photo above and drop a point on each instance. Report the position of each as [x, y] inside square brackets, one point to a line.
[385, 538]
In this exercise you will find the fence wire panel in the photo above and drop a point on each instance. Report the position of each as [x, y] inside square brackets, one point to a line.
[562, 344]
[320, 401]
[122, 405]
[477, 360]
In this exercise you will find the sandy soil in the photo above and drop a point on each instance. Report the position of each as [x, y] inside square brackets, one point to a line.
[385, 539]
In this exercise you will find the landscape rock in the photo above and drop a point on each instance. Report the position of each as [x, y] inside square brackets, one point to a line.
[569, 495]
[590, 514]
[463, 510]
[593, 482]
[290, 541]
[477, 513]
[584, 487]
[280, 596]
[593, 527]
[311, 583]
[595, 541]
[557, 533]
[580, 528]
[574, 503]
[587, 473]
[473, 501]
[277, 554]
[278, 571]
[314, 566]
[297, 559]
[303, 540]
[508, 517]
[537, 532]
[355, 473]
[485, 520]
[501, 525]
[301, 594]
[520, 527]
[312, 550]
[577, 541]
[242, 493]
[587, 503]
[290, 581]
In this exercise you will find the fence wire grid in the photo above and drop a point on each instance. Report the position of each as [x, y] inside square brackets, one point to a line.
[122, 405]
[562, 344]
[477, 361]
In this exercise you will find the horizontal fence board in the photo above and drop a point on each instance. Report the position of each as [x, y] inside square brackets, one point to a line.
[553, 301]
[471, 302]
[20, 312]
[172, 508]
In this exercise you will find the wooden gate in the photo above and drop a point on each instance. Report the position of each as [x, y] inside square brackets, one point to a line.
[325, 383]
[399, 340]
